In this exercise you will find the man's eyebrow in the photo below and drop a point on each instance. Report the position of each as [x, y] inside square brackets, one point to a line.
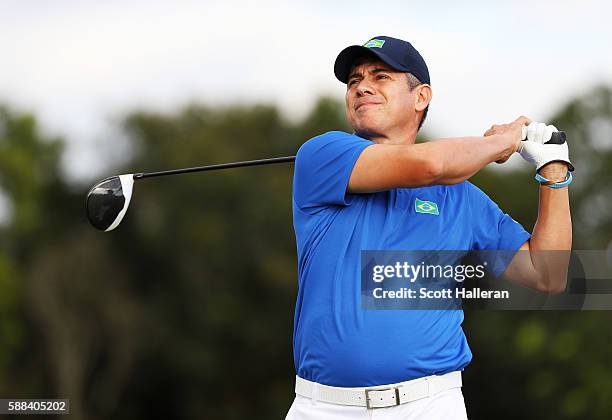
[376, 70]
[353, 74]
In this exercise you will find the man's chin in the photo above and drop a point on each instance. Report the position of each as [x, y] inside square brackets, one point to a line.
[366, 132]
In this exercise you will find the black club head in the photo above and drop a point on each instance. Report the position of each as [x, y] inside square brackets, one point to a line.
[108, 201]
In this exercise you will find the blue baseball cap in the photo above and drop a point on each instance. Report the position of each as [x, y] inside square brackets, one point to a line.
[397, 54]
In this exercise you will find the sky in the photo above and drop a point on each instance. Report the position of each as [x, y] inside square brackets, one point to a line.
[80, 66]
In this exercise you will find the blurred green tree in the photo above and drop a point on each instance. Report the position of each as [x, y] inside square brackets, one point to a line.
[64, 303]
[28, 168]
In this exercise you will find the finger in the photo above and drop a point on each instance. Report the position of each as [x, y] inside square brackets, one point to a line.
[523, 120]
[540, 130]
[535, 132]
[531, 131]
[491, 130]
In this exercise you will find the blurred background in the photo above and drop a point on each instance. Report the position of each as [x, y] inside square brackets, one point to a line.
[186, 310]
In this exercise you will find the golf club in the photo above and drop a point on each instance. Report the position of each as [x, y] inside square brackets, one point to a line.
[108, 200]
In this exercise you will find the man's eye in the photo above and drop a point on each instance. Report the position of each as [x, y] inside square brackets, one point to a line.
[352, 82]
[382, 76]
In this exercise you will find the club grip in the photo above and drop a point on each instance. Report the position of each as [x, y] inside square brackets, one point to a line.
[558, 137]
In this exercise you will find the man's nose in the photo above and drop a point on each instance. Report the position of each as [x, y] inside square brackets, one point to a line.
[365, 88]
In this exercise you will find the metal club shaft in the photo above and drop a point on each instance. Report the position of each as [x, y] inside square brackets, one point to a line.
[257, 162]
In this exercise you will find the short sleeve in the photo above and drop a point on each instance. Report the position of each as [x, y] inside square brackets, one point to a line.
[323, 167]
[492, 229]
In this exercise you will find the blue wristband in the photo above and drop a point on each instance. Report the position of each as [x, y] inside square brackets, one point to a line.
[568, 180]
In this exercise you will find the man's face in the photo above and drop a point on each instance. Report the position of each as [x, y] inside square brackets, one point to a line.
[378, 100]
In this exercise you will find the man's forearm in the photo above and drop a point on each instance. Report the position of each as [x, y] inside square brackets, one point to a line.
[460, 158]
[553, 229]
[552, 232]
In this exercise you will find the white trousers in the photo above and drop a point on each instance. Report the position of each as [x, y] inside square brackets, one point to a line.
[446, 405]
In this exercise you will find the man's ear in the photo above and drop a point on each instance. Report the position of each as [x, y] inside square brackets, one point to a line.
[423, 97]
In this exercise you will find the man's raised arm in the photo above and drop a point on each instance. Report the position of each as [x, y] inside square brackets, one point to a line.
[447, 161]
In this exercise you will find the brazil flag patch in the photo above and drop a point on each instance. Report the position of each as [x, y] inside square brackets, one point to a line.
[374, 43]
[427, 207]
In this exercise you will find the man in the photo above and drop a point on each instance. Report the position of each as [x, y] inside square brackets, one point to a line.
[355, 192]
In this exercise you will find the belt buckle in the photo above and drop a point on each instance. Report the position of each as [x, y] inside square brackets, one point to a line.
[393, 388]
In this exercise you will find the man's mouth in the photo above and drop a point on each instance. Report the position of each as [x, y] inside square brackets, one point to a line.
[361, 105]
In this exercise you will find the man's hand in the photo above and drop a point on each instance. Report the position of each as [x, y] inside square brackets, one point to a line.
[510, 134]
[535, 151]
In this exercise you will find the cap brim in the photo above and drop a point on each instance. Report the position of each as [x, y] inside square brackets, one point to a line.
[349, 55]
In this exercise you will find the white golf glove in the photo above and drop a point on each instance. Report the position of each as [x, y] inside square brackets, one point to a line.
[535, 151]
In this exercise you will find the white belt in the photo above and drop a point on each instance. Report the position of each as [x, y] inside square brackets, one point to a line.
[379, 396]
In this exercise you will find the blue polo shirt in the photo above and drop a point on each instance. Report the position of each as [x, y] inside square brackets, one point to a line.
[335, 341]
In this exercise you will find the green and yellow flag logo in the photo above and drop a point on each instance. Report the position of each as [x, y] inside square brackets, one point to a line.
[427, 207]
[374, 43]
